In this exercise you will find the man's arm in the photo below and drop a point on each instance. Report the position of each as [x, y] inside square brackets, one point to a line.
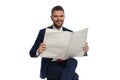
[38, 41]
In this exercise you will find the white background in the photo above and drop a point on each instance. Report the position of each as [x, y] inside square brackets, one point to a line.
[21, 20]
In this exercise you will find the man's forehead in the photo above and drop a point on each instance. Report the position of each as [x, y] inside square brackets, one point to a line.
[58, 12]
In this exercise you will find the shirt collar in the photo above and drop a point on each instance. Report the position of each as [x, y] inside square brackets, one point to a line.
[61, 29]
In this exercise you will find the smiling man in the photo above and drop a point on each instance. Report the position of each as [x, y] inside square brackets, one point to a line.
[57, 17]
[52, 68]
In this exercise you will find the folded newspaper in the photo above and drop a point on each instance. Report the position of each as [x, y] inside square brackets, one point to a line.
[64, 44]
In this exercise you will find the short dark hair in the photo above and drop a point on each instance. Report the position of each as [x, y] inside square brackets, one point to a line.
[57, 8]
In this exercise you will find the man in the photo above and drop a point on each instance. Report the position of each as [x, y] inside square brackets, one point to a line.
[51, 68]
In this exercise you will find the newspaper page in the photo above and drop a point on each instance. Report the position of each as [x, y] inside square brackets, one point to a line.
[56, 43]
[76, 44]
[64, 44]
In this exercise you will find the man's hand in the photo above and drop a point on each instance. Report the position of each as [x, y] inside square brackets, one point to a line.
[86, 47]
[42, 47]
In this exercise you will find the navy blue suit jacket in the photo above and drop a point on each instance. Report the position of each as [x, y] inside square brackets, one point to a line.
[33, 50]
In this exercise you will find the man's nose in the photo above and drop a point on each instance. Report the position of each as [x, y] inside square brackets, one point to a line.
[59, 18]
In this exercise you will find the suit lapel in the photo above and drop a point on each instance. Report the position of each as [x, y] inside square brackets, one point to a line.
[50, 27]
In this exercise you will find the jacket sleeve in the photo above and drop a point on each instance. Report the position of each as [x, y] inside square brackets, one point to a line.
[38, 41]
[44, 63]
[85, 54]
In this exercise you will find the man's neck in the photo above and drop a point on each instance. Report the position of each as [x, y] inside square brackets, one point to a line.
[60, 28]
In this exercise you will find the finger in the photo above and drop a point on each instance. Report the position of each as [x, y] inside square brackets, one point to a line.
[42, 44]
[86, 47]
[86, 43]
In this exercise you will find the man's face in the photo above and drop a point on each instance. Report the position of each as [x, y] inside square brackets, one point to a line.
[58, 18]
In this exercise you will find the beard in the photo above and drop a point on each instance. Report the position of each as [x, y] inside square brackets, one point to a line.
[58, 24]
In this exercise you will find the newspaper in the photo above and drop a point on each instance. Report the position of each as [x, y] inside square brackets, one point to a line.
[64, 44]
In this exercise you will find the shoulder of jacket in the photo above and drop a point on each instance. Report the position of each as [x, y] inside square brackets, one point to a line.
[66, 29]
[45, 28]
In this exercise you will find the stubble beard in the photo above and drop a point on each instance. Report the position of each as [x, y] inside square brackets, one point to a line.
[58, 26]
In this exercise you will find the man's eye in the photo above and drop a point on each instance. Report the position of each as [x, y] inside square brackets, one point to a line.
[55, 16]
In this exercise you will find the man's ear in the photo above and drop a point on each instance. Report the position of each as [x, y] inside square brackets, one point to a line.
[51, 17]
